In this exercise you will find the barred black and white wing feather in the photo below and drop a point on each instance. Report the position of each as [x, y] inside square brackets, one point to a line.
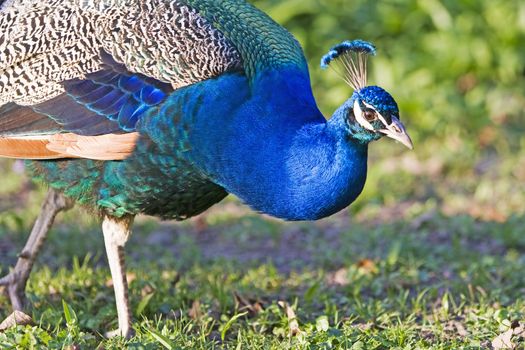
[92, 67]
[46, 43]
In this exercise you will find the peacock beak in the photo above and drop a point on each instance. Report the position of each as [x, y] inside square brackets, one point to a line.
[396, 130]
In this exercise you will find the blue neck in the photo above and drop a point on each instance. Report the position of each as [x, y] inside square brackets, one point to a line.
[267, 143]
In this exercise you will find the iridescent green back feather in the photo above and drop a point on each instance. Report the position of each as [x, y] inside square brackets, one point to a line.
[262, 43]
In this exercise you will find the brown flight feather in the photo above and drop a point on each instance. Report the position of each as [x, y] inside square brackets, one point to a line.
[68, 145]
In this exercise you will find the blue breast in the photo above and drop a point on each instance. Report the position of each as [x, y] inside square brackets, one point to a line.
[268, 144]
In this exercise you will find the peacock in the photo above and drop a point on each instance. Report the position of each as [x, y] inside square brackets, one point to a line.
[163, 107]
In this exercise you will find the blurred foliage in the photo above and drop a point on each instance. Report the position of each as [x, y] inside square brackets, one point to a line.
[455, 67]
[400, 274]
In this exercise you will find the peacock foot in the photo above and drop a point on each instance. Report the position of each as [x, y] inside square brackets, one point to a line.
[126, 333]
[15, 319]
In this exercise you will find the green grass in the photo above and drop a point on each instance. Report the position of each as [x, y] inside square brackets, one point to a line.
[431, 256]
[425, 280]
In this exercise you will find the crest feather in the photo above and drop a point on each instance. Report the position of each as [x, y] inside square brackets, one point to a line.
[350, 61]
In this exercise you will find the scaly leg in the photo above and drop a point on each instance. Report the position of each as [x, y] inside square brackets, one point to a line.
[116, 233]
[16, 280]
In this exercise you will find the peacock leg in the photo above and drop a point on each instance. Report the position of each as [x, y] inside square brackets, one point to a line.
[116, 233]
[16, 280]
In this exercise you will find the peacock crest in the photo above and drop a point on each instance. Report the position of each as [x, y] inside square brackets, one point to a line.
[349, 60]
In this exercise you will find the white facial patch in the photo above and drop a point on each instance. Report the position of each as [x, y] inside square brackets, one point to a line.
[358, 113]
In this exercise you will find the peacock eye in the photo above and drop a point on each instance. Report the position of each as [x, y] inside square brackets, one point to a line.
[370, 115]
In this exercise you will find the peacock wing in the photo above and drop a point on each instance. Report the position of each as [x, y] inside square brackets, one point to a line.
[44, 43]
[95, 117]
[91, 68]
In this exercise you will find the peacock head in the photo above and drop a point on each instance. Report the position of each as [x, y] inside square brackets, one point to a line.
[370, 112]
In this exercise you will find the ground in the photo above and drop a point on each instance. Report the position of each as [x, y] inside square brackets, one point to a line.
[419, 272]
[431, 256]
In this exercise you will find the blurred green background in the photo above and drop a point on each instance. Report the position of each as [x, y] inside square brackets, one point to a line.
[431, 255]
[457, 70]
